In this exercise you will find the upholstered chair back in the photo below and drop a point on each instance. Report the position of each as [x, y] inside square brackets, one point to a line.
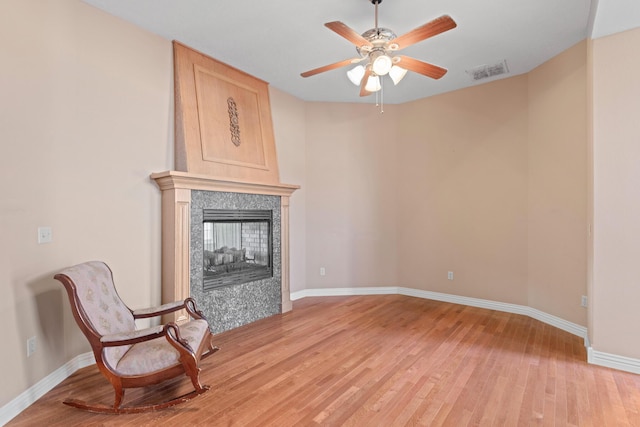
[104, 309]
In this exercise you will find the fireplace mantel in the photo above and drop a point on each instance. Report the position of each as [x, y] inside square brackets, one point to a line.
[183, 180]
[176, 190]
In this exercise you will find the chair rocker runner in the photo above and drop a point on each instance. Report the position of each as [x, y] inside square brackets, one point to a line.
[128, 357]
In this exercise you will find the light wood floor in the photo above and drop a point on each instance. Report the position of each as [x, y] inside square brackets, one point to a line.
[377, 361]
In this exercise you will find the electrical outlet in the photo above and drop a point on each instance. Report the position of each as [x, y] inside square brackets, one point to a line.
[44, 235]
[584, 301]
[450, 275]
[322, 271]
[31, 346]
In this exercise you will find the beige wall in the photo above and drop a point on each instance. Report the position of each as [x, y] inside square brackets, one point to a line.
[616, 194]
[483, 182]
[462, 188]
[351, 195]
[489, 182]
[86, 116]
[492, 185]
[557, 185]
[290, 131]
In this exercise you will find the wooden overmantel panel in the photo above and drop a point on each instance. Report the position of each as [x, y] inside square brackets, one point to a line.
[222, 120]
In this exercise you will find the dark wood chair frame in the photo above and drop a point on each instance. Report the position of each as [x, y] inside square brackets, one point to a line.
[189, 358]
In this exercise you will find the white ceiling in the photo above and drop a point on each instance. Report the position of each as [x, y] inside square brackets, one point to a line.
[277, 40]
[614, 16]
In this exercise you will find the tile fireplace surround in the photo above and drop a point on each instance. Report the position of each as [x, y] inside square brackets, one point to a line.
[181, 192]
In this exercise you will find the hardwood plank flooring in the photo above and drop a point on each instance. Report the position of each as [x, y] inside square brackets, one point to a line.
[386, 360]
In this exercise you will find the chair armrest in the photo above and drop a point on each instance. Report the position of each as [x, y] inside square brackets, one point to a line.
[189, 304]
[167, 308]
[170, 331]
[132, 337]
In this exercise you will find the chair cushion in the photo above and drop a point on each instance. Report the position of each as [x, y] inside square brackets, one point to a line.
[157, 354]
[98, 298]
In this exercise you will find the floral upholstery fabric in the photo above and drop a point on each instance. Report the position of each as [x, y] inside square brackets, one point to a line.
[157, 354]
[100, 301]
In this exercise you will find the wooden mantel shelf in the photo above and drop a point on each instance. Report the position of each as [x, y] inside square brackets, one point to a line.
[184, 180]
[176, 190]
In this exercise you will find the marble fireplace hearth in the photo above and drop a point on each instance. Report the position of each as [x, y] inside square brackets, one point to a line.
[184, 198]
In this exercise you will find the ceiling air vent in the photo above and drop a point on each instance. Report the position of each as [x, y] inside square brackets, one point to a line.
[486, 71]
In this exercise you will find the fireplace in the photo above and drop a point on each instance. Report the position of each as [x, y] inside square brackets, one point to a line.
[225, 159]
[185, 199]
[237, 247]
[237, 299]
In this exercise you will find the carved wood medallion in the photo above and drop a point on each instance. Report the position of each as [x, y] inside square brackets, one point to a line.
[234, 125]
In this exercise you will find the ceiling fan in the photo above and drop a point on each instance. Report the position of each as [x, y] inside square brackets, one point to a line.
[378, 46]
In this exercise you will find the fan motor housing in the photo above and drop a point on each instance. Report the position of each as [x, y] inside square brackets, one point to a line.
[378, 37]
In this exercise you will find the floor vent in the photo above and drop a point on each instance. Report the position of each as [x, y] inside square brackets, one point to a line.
[482, 72]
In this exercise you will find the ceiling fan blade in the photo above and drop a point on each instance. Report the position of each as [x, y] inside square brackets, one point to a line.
[330, 67]
[430, 29]
[348, 33]
[363, 83]
[420, 67]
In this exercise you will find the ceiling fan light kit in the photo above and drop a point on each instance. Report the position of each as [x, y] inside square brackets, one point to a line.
[356, 74]
[378, 45]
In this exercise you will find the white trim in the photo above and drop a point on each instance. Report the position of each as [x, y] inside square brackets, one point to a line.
[549, 319]
[594, 357]
[613, 361]
[42, 387]
[333, 292]
[29, 396]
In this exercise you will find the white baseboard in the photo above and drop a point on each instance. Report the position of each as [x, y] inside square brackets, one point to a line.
[28, 397]
[594, 357]
[572, 328]
[42, 387]
[549, 319]
[334, 292]
[613, 361]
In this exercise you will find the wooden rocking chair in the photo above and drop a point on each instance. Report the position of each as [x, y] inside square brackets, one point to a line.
[128, 357]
